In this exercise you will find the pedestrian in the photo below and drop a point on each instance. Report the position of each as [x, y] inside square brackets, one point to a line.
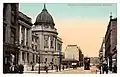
[46, 69]
[56, 68]
[106, 69]
[115, 69]
[16, 68]
[21, 69]
[63, 67]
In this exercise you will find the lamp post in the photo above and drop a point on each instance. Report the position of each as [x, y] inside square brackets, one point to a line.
[39, 64]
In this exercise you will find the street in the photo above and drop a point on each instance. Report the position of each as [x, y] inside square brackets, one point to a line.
[79, 70]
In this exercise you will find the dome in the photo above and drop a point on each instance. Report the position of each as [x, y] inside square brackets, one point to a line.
[44, 17]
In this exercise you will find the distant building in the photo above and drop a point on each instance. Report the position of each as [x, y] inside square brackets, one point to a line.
[94, 60]
[73, 53]
[111, 43]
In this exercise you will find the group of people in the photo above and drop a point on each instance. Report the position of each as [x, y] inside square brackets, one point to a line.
[12, 67]
[15, 68]
[104, 68]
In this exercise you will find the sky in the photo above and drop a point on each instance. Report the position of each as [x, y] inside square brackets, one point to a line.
[77, 24]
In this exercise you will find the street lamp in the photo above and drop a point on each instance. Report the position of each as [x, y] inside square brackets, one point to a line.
[39, 64]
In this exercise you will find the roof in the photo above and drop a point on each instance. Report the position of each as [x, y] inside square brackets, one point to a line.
[44, 17]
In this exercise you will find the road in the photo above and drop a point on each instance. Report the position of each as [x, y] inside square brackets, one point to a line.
[79, 70]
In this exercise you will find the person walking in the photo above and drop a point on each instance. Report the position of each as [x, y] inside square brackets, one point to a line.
[46, 69]
[63, 67]
[21, 69]
[56, 68]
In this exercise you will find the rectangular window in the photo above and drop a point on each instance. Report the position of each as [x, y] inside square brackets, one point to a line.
[32, 46]
[33, 58]
[46, 38]
[12, 36]
[13, 19]
[23, 56]
[22, 35]
[58, 46]
[36, 40]
[13, 6]
[45, 59]
[4, 33]
[27, 36]
[36, 47]
[51, 41]
[28, 57]
[37, 58]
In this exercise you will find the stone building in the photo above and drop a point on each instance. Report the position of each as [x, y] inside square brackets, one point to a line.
[94, 60]
[10, 33]
[111, 43]
[28, 43]
[25, 40]
[35, 45]
[50, 44]
[102, 53]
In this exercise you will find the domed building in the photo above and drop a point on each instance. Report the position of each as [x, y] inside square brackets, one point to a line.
[49, 44]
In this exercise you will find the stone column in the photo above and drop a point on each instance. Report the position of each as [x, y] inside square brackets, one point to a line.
[20, 57]
[34, 58]
[29, 37]
[20, 35]
[25, 37]
[49, 42]
[25, 57]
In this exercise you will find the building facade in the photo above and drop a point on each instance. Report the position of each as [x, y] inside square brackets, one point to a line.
[50, 44]
[30, 44]
[73, 53]
[10, 33]
[111, 43]
[25, 40]
[102, 54]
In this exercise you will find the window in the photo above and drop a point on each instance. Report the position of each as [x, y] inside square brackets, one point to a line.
[52, 59]
[28, 57]
[46, 26]
[33, 39]
[51, 42]
[27, 36]
[59, 46]
[52, 27]
[22, 35]
[23, 54]
[32, 46]
[33, 58]
[13, 19]
[13, 6]
[36, 40]
[12, 36]
[36, 47]
[45, 59]
[4, 33]
[46, 38]
[37, 58]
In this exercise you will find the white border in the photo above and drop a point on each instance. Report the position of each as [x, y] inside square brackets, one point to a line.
[59, 1]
